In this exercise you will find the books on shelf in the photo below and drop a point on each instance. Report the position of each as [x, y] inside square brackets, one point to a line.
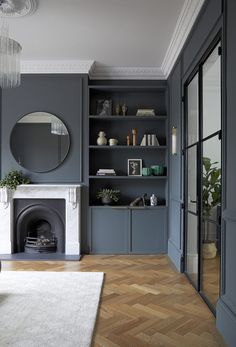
[106, 172]
[149, 140]
[145, 112]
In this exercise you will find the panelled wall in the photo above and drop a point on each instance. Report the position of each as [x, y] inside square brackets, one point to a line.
[226, 308]
[216, 17]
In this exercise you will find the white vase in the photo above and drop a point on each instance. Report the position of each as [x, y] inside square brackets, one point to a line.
[101, 140]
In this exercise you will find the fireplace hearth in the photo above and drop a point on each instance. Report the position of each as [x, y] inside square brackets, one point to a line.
[40, 221]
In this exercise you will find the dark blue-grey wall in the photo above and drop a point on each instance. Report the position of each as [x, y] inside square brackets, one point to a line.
[175, 244]
[61, 95]
[217, 16]
[226, 306]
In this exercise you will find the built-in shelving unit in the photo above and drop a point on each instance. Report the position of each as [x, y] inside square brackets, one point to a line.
[106, 222]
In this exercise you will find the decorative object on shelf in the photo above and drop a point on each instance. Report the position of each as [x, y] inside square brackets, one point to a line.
[117, 109]
[101, 140]
[145, 112]
[158, 170]
[108, 196]
[134, 167]
[139, 201]
[153, 200]
[174, 140]
[124, 109]
[134, 133]
[13, 179]
[128, 140]
[104, 107]
[113, 142]
[106, 172]
[149, 140]
[147, 171]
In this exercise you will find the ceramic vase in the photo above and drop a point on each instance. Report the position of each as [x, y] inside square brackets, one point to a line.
[101, 140]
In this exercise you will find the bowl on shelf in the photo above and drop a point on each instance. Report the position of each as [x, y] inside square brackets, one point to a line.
[158, 170]
[147, 171]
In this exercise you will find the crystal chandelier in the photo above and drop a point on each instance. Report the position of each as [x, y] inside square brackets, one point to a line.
[9, 59]
[10, 49]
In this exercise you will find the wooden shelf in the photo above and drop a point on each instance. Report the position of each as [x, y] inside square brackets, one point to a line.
[127, 147]
[127, 177]
[124, 207]
[127, 88]
[128, 117]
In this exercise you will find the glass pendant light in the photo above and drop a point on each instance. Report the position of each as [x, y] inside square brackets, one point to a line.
[10, 49]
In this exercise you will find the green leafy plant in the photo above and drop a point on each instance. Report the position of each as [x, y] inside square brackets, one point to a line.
[211, 186]
[13, 179]
[112, 194]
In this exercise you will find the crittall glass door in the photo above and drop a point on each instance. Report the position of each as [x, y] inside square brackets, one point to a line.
[203, 177]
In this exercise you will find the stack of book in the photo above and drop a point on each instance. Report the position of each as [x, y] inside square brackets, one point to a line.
[106, 172]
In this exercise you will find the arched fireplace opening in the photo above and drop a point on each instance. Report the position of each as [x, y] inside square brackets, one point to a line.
[39, 226]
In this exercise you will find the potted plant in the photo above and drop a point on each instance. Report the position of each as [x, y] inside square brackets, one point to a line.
[13, 179]
[211, 199]
[108, 196]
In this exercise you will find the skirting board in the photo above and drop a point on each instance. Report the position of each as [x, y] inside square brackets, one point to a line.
[40, 257]
[175, 255]
[226, 323]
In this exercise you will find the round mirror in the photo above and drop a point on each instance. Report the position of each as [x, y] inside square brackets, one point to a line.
[39, 142]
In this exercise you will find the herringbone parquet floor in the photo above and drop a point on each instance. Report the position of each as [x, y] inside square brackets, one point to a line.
[145, 302]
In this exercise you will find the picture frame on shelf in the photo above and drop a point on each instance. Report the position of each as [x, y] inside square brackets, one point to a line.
[104, 107]
[134, 167]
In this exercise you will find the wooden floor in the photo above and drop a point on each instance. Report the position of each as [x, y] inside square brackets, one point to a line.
[145, 302]
[211, 279]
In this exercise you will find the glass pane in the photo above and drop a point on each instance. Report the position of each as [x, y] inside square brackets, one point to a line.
[211, 210]
[192, 93]
[212, 94]
[192, 179]
[192, 248]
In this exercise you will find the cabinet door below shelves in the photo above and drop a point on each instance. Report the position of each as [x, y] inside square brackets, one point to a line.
[109, 230]
[148, 231]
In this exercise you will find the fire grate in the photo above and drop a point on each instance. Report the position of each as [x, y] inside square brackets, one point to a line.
[40, 244]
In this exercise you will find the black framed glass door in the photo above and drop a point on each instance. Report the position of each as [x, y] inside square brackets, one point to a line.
[202, 153]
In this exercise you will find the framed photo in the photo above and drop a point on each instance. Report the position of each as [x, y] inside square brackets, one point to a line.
[134, 167]
[104, 107]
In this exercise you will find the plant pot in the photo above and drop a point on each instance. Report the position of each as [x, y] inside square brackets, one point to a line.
[106, 200]
[209, 250]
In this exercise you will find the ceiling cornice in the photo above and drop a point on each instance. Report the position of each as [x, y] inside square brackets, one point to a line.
[109, 72]
[56, 66]
[186, 20]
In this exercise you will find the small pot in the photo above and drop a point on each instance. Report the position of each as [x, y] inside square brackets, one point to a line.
[106, 200]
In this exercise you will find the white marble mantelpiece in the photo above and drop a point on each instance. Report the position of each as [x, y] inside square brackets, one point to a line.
[70, 192]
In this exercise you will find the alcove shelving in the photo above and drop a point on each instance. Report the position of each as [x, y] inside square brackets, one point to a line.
[116, 157]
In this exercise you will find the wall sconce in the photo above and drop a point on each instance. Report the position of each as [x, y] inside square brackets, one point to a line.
[174, 141]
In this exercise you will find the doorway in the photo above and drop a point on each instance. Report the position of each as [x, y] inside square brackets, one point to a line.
[202, 153]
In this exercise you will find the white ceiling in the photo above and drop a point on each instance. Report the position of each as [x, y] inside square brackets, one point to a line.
[114, 33]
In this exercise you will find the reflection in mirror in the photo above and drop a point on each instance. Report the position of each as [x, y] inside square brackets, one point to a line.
[39, 142]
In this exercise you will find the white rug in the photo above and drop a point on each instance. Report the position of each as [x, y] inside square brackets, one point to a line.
[47, 309]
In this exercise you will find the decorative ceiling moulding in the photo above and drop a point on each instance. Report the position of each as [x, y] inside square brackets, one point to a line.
[56, 66]
[186, 20]
[122, 73]
[17, 8]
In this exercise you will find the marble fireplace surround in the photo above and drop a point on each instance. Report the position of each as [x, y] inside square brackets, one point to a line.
[72, 195]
